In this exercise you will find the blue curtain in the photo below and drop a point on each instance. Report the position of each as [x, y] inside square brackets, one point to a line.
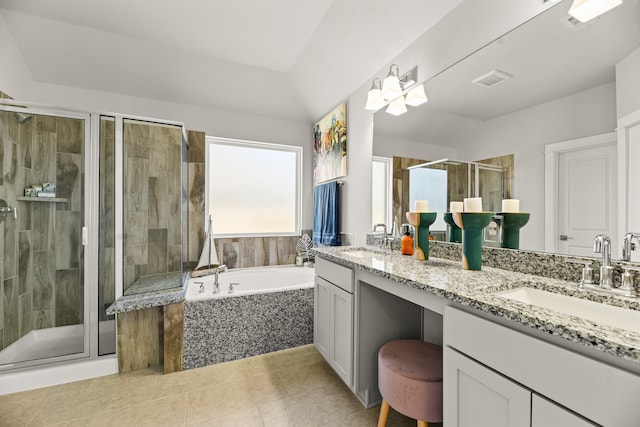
[326, 214]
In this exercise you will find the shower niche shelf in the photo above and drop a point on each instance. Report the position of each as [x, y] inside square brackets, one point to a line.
[43, 199]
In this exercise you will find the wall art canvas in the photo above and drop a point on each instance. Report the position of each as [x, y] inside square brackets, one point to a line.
[330, 146]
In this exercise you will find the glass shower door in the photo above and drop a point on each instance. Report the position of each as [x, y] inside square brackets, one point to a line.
[43, 304]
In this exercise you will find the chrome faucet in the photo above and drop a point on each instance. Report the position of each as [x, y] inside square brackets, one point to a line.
[383, 242]
[216, 284]
[602, 244]
[628, 245]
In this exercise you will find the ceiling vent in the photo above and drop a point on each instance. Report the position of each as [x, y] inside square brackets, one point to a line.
[492, 78]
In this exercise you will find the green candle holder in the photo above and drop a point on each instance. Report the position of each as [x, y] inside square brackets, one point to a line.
[512, 222]
[472, 224]
[421, 221]
[455, 233]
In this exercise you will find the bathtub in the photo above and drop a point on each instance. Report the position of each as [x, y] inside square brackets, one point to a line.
[270, 309]
[251, 281]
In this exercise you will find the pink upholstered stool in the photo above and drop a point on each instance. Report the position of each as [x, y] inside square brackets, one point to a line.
[410, 380]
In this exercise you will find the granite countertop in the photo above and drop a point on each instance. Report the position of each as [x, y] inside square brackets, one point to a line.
[152, 291]
[447, 279]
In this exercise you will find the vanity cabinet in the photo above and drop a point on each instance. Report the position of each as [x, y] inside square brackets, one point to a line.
[495, 375]
[482, 397]
[545, 413]
[333, 317]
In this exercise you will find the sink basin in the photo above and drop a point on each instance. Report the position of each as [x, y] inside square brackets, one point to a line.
[362, 253]
[618, 317]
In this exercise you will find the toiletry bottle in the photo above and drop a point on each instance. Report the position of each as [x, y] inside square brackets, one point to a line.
[407, 244]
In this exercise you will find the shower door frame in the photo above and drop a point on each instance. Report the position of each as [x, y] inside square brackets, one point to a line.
[89, 229]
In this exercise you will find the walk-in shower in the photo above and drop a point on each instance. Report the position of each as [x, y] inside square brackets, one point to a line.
[88, 204]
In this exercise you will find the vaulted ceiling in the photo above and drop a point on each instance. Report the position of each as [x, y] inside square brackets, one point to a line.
[290, 59]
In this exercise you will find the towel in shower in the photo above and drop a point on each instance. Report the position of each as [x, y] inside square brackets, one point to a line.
[326, 214]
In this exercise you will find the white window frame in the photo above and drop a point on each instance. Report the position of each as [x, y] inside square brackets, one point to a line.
[211, 140]
[388, 198]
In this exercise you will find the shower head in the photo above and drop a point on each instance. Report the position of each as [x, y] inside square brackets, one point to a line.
[23, 117]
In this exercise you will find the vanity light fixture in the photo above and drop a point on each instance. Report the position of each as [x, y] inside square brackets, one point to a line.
[416, 96]
[397, 107]
[374, 97]
[586, 10]
[391, 85]
[392, 90]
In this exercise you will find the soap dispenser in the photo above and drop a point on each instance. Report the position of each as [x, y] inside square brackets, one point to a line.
[407, 243]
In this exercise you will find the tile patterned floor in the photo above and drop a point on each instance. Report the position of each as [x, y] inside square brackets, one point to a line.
[293, 388]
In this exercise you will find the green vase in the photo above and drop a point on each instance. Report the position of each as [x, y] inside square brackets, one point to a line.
[421, 221]
[511, 225]
[455, 233]
[472, 224]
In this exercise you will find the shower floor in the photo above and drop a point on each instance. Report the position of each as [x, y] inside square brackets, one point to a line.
[53, 342]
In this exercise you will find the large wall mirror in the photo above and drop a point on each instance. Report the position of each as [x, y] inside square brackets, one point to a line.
[562, 87]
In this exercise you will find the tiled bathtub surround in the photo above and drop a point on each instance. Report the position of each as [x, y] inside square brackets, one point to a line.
[152, 204]
[229, 328]
[476, 289]
[234, 252]
[41, 253]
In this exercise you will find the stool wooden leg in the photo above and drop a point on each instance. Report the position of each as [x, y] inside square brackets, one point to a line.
[423, 423]
[384, 413]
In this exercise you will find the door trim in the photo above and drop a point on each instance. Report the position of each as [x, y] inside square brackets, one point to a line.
[624, 124]
[552, 154]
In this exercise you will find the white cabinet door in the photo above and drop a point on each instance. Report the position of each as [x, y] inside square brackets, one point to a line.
[322, 317]
[476, 396]
[547, 414]
[342, 333]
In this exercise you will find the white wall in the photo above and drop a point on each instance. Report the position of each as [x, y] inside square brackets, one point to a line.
[628, 92]
[16, 81]
[14, 74]
[525, 133]
[388, 146]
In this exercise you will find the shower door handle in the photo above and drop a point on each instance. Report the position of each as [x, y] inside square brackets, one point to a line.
[85, 236]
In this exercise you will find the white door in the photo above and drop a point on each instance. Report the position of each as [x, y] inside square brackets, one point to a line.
[587, 198]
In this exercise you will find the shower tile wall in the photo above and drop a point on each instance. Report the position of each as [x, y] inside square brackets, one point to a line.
[456, 181]
[152, 243]
[234, 252]
[400, 185]
[507, 162]
[41, 255]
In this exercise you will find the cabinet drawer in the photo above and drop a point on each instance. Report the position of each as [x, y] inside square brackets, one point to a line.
[577, 382]
[337, 274]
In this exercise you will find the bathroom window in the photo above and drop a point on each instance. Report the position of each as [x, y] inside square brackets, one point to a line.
[253, 188]
[381, 190]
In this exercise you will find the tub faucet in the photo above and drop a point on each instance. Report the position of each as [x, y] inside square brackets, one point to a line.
[216, 284]
[628, 245]
[602, 244]
[383, 242]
